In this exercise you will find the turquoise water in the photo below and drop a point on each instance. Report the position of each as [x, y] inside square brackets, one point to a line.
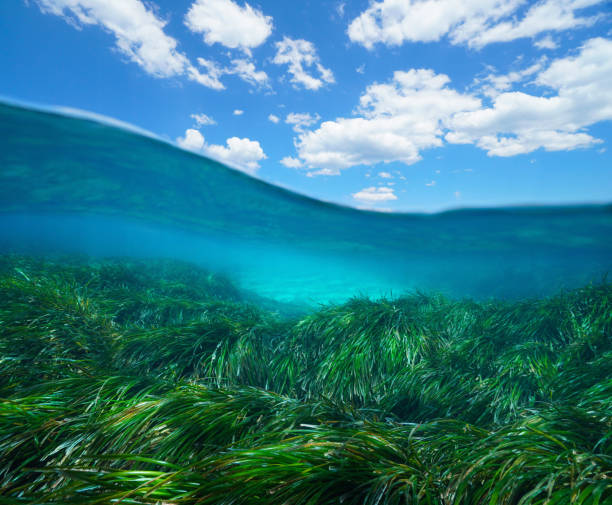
[74, 185]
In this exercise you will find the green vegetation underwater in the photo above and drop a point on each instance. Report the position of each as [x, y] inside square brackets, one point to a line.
[173, 331]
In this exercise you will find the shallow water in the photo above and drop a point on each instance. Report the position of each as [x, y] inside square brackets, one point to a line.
[78, 186]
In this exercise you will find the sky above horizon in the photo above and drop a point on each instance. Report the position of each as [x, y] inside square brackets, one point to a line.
[402, 105]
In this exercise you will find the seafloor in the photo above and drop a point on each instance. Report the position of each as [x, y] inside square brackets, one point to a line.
[125, 381]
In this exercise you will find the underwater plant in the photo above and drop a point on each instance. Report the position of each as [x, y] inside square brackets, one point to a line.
[159, 382]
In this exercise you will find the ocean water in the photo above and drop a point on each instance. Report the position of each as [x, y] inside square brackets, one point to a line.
[74, 185]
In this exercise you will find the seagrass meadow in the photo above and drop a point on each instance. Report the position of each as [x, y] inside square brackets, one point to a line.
[159, 382]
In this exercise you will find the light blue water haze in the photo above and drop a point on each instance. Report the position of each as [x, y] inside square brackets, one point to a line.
[76, 185]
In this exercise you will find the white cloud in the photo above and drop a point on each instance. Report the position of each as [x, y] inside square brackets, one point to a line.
[301, 56]
[227, 23]
[139, 32]
[375, 194]
[546, 43]
[243, 154]
[275, 119]
[495, 84]
[399, 119]
[385, 175]
[591, 68]
[521, 143]
[430, 184]
[519, 123]
[300, 121]
[548, 15]
[323, 171]
[291, 162]
[418, 109]
[393, 22]
[211, 77]
[472, 22]
[360, 69]
[192, 141]
[238, 112]
[245, 69]
[203, 120]
[139, 35]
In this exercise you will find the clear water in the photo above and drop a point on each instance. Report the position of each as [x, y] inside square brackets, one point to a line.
[72, 185]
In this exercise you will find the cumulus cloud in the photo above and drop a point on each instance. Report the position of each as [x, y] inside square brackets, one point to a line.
[238, 112]
[139, 35]
[419, 109]
[211, 76]
[398, 119]
[323, 171]
[385, 175]
[375, 194]
[301, 57]
[245, 69]
[494, 84]
[275, 119]
[243, 154]
[475, 22]
[203, 120]
[520, 143]
[546, 43]
[192, 141]
[227, 23]
[548, 15]
[519, 123]
[302, 120]
[291, 162]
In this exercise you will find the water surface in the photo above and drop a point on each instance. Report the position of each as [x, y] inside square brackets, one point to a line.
[75, 185]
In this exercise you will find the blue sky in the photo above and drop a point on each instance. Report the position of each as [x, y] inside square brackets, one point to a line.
[407, 105]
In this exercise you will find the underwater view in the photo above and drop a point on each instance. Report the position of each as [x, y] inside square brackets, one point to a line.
[305, 253]
[72, 185]
[157, 347]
